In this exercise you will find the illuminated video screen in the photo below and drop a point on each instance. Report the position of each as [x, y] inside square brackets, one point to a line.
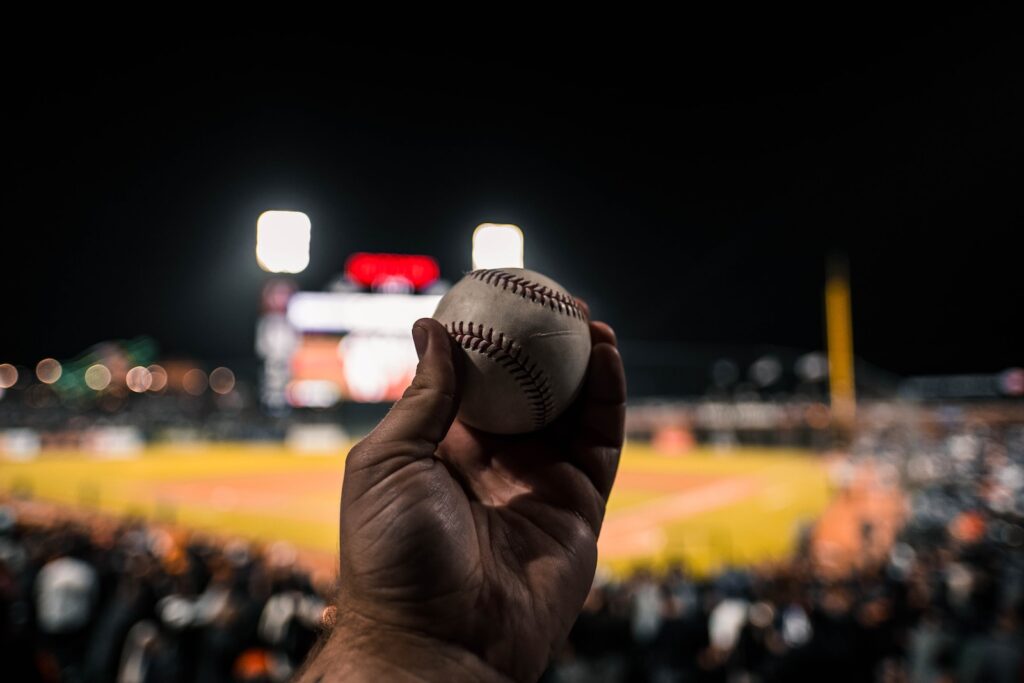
[353, 346]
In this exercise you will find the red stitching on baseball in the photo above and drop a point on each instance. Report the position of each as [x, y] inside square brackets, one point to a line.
[507, 353]
[560, 302]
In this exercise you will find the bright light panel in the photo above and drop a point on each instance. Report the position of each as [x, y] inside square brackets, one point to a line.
[282, 241]
[359, 311]
[497, 246]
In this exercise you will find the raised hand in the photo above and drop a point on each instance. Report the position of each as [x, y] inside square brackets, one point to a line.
[466, 555]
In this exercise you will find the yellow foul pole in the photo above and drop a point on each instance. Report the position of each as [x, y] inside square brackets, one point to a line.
[840, 345]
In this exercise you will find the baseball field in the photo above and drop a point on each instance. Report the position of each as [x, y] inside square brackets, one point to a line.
[706, 508]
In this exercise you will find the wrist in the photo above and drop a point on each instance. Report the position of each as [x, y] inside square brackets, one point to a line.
[356, 650]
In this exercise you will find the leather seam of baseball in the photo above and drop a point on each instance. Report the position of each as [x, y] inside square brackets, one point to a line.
[557, 301]
[509, 354]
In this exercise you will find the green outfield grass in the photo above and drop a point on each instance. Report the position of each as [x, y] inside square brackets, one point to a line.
[706, 508]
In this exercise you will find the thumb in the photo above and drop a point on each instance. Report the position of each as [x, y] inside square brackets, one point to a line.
[427, 408]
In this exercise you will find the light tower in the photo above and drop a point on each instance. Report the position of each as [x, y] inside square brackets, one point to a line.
[282, 246]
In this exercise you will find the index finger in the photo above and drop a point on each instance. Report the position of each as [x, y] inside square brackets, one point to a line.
[601, 428]
[602, 333]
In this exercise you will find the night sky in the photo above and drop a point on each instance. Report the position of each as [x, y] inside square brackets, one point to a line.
[690, 189]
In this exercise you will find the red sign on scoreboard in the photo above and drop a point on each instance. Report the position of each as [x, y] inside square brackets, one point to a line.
[374, 270]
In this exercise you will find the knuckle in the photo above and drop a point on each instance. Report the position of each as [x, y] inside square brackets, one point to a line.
[357, 454]
[420, 391]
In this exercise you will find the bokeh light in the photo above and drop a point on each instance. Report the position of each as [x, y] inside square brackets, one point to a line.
[48, 370]
[194, 381]
[8, 376]
[158, 378]
[139, 379]
[1012, 382]
[724, 372]
[812, 367]
[765, 371]
[97, 377]
[222, 380]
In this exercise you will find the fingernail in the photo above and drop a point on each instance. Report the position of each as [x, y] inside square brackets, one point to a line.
[420, 337]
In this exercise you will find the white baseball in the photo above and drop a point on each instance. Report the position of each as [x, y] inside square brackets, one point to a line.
[527, 345]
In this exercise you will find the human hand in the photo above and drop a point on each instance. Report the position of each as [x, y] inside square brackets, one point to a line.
[467, 555]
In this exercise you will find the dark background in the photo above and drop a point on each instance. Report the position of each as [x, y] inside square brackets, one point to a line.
[690, 185]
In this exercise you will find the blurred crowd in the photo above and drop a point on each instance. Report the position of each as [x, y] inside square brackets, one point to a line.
[169, 416]
[138, 603]
[944, 603]
[132, 603]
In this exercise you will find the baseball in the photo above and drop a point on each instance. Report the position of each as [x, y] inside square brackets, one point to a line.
[527, 345]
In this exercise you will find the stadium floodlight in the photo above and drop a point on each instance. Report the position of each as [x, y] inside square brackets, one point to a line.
[282, 241]
[497, 246]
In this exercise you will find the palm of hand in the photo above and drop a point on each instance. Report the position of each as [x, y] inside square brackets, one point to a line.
[489, 542]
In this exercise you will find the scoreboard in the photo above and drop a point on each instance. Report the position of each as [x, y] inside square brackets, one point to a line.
[353, 343]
